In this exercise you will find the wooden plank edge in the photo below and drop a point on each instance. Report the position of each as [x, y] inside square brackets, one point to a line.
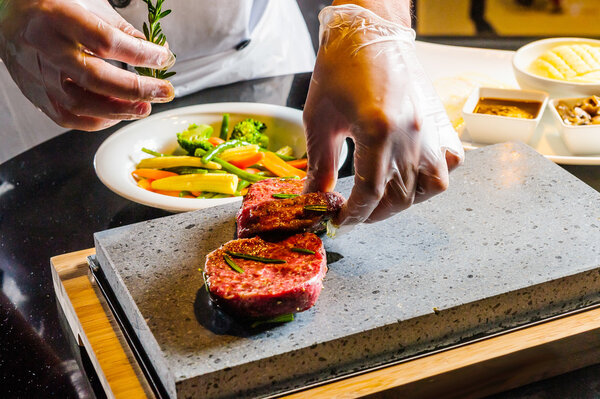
[69, 267]
[503, 362]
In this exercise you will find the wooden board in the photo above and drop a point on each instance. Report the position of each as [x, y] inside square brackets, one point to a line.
[95, 329]
[477, 369]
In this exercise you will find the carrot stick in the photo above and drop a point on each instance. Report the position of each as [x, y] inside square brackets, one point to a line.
[215, 140]
[299, 163]
[169, 193]
[153, 174]
[252, 170]
[243, 163]
[278, 167]
[145, 184]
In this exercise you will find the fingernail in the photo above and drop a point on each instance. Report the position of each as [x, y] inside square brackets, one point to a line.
[168, 61]
[164, 94]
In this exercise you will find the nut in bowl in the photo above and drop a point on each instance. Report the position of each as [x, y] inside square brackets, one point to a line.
[495, 115]
[563, 67]
[578, 120]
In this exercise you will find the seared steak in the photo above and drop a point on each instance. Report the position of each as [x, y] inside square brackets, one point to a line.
[267, 289]
[264, 212]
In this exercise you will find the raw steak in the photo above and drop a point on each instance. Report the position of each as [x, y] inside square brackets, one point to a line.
[261, 213]
[265, 290]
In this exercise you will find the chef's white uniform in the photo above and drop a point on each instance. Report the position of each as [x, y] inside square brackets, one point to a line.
[216, 42]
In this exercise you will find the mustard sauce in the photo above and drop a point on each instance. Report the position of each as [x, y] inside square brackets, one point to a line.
[525, 109]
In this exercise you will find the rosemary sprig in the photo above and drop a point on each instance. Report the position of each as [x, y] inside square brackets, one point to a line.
[232, 264]
[302, 250]
[284, 196]
[153, 32]
[316, 208]
[284, 318]
[255, 258]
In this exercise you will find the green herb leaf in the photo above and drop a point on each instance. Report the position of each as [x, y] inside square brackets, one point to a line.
[302, 250]
[284, 196]
[232, 264]
[284, 318]
[254, 258]
[316, 208]
[153, 33]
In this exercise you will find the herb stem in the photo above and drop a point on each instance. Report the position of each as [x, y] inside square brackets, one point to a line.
[254, 258]
[316, 208]
[232, 264]
[284, 318]
[284, 196]
[302, 250]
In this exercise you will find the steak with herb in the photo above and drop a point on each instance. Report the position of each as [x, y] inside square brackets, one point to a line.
[253, 278]
[277, 206]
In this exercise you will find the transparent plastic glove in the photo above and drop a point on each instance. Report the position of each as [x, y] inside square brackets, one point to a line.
[55, 51]
[369, 85]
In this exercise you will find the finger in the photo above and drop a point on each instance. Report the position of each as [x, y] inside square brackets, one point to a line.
[323, 159]
[79, 101]
[111, 16]
[69, 120]
[371, 164]
[432, 180]
[107, 41]
[98, 76]
[399, 195]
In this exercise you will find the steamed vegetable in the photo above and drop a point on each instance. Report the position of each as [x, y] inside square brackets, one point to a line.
[216, 183]
[224, 127]
[251, 131]
[175, 161]
[279, 167]
[195, 137]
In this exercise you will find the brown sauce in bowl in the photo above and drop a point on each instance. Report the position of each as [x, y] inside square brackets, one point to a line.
[526, 109]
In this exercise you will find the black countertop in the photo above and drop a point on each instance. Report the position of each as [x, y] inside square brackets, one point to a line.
[51, 202]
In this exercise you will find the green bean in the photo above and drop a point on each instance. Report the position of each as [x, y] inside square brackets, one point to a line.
[224, 127]
[156, 154]
[232, 169]
[220, 148]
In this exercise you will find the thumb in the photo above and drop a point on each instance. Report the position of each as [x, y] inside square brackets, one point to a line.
[323, 149]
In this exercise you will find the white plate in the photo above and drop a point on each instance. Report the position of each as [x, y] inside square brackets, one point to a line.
[120, 153]
[494, 66]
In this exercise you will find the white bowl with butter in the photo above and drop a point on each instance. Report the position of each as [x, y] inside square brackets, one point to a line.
[530, 75]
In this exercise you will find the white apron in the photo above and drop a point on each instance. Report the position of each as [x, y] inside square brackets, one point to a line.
[216, 42]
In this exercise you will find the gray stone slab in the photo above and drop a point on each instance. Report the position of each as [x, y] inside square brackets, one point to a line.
[514, 239]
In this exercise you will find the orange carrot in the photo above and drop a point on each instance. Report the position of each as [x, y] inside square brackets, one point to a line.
[153, 174]
[216, 141]
[145, 184]
[252, 170]
[279, 167]
[243, 163]
[196, 193]
[299, 163]
[169, 193]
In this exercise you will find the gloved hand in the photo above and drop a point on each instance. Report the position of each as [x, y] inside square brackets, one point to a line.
[54, 51]
[368, 85]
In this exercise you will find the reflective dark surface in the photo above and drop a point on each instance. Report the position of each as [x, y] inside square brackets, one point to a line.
[51, 203]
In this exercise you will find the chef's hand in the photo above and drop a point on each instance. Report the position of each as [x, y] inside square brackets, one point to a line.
[368, 85]
[54, 51]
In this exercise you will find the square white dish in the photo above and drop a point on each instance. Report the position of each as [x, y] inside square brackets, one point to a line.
[580, 140]
[492, 129]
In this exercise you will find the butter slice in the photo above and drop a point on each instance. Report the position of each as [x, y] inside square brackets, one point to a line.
[570, 62]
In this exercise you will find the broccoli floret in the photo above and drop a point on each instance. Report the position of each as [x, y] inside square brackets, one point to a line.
[195, 137]
[251, 130]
